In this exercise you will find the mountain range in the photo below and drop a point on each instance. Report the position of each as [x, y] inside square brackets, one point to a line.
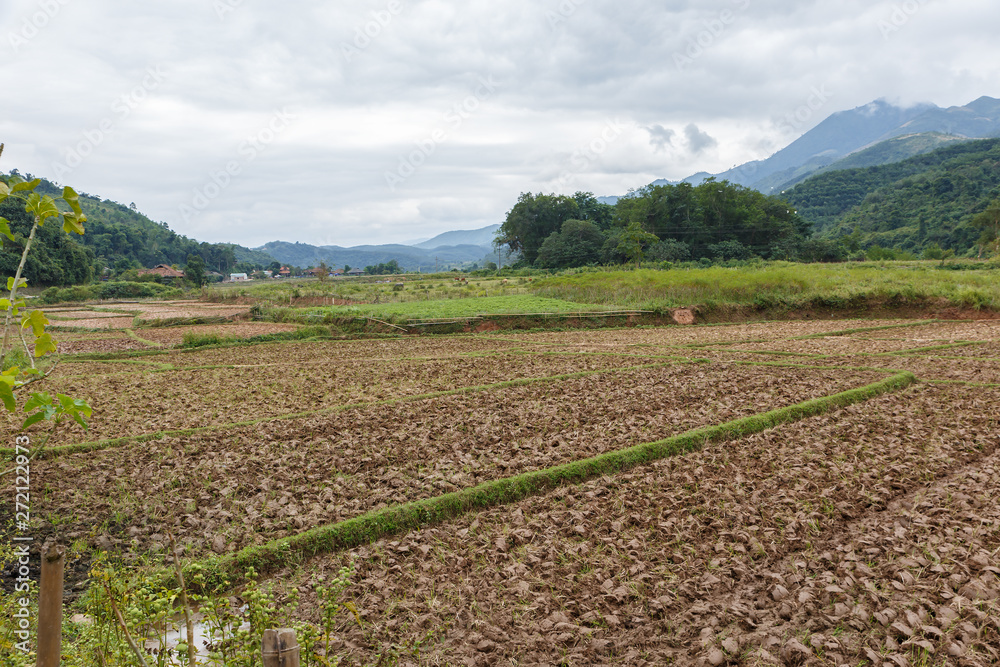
[446, 251]
[869, 135]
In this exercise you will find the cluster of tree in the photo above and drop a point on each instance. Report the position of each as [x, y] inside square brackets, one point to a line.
[932, 200]
[55, 258]
[391, 267]
[717, 220]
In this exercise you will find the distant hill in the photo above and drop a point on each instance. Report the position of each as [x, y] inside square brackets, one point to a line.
[929, 198]
[456, 249]
[481, 237]
[410, 258]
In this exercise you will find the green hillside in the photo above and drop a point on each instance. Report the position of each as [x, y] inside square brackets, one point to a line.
[892, 150]
[120, 237]
[930, 198]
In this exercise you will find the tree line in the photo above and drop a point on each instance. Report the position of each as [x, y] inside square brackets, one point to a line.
[717, 220]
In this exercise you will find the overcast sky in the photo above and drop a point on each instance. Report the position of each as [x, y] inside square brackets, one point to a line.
[391, 120]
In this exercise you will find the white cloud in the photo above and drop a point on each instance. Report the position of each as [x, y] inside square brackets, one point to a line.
[359, 112]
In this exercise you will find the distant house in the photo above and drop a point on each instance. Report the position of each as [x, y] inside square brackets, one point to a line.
[337, 273]
[166, 272]
[356, 272]
[236, 277]
[284, 272]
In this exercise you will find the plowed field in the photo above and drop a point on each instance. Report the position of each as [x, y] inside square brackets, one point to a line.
[866, 535]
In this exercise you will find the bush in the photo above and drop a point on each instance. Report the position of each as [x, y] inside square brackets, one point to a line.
[110, 290]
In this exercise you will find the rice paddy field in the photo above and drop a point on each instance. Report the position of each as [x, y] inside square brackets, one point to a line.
[768, 493]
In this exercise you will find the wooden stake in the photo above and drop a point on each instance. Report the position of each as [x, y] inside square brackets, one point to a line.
[50, 599]
[280, 648]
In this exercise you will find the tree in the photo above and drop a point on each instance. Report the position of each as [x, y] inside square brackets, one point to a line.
[989, 222]
[194, 270]
[15, 376]
[322, 272]
[577, 243]
[669, 250]
[532, 220]
[633, 240]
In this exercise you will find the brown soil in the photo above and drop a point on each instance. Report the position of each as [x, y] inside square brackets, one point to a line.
[867, 530]
[346, 463]
[866, 536]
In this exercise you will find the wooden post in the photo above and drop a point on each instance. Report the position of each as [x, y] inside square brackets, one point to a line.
[50, 607]
[280, 648]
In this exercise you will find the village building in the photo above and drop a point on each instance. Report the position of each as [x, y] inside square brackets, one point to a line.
[166, 272]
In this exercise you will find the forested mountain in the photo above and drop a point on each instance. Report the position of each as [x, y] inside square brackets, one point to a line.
[884, 152]
[847, 132]
[928, 199]
[120, 237]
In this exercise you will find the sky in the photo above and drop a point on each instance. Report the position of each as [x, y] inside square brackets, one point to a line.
[389, 121]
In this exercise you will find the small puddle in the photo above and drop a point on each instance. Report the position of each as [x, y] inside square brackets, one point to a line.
[176, 634]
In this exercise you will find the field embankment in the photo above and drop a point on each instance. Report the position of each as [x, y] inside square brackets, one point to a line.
[784, 290]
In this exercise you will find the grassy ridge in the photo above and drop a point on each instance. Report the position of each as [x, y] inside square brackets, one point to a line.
[457, 308]
[781, 285]
[410, 516]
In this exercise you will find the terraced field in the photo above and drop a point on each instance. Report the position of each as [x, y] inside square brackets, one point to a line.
[470, 475]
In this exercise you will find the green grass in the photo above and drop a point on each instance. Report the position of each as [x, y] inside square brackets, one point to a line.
[458, 308]
[781, 285]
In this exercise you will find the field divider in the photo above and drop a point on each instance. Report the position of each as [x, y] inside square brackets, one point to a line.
[919, 351]
[97, 445]
[849, 332]
[230, 569]
[145, 341]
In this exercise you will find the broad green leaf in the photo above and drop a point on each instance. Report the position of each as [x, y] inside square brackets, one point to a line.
[73, 199]
[44, 345]
[10, 283]
[72, 223]
[5, 227]
[4, 189]
[26, 185]
[7, 396]
[33, 419]
[47, 209]
[36, 320]
[39, 399]
[5, 304]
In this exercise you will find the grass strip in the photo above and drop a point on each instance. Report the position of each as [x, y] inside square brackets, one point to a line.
[850, 332]
[97, 445]
[145, 341]
[918, 351]
[403, 518]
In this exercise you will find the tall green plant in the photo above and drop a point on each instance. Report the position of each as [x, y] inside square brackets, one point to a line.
[22, 320]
